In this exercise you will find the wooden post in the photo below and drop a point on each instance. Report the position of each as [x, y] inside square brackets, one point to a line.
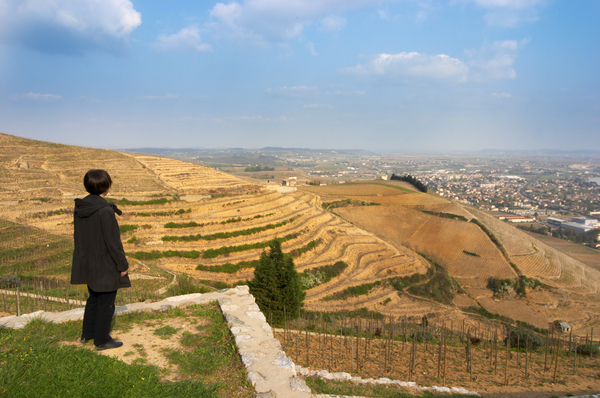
[575, 356]
[306, 338]
[527, 354]
[331, 342]
[445, 352]
[297, 337]
[357, 325]
[18, 301]
[518, 349]
[556, 360]
[546, 353]
[507, 355]
[591, 342]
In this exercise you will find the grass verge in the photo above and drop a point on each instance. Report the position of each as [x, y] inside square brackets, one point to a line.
[34, 361]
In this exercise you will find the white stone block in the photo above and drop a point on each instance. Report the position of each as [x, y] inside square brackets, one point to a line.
[256, 315]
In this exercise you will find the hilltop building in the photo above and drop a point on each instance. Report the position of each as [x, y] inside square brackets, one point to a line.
[289, 182]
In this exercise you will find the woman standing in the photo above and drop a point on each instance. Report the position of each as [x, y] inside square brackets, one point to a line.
[99, 259]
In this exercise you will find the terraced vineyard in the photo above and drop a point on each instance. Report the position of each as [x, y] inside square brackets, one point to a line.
[181, 219]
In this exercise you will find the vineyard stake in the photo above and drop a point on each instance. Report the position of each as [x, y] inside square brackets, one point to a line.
[297, 336]
[507, 354]
[586, 343]
[591, 341]
[18, 301]
[518, 349]
[556, 361]
[575, 356]
[440, 354]
[351, 354]
[331, 344]
[527, 355]
[357, 344]
[445, 354]
[546, 353]
[306, 338]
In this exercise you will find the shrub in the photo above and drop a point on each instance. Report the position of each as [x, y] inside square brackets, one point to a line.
[8, 281]
[228, 268]
[520, 336]
[220, 285]
[127, 227]
[181, 225]
[587, 349]
[213, 253]
[420, 336]
[186, 285]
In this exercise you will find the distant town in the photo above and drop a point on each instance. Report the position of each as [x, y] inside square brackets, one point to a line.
[552, 189]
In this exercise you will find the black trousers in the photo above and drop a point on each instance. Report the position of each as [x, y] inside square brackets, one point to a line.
[99, 311]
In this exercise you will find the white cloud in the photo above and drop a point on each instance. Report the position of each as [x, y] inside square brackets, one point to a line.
[69, 26]
[35, 97]
[402, 65]
[382, 14]
[491, 62]
[186, 39]
[271, 21]
[315, 106]
[509, 13]
[495, 61]
[508, 3]
[160, 97]
[501, 95]
[311, 49]
[255, 118]
[332, 23]
[296, 91]
[355, 93]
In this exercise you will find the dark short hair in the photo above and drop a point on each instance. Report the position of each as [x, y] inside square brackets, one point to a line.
[97, 181]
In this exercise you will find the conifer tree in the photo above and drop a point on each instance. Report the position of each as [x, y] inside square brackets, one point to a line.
[276, 284]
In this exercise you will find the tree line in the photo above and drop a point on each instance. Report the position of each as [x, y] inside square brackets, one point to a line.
[411, 180]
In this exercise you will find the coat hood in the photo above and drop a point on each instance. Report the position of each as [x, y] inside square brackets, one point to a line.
[92, 203]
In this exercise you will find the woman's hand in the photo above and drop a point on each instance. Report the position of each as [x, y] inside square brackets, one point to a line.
[123, 273]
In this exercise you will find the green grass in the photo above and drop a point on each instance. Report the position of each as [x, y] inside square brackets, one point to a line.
[165, 332]
[33, 362]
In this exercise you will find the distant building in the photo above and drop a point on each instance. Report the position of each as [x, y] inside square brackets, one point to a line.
[580, 224]
[516, 218]
[555, 221]
[289, 182]
[565, 327]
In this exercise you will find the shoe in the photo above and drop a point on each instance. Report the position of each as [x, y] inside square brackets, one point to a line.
[84, 340]
[109, 345]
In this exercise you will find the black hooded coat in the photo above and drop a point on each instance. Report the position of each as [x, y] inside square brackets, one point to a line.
[98, 258]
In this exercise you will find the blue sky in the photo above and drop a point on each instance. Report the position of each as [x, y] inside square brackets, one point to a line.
[382, 75]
